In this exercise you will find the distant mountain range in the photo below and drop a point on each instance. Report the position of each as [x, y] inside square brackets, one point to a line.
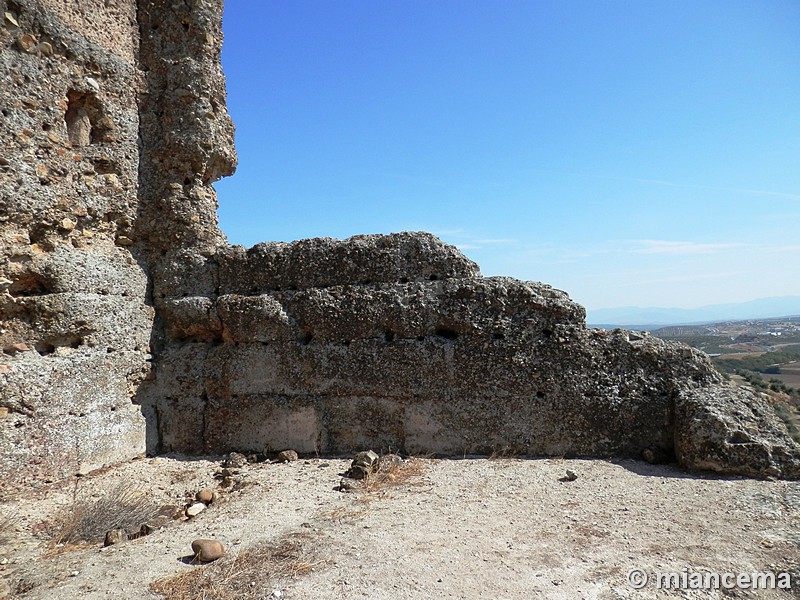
[647, 318]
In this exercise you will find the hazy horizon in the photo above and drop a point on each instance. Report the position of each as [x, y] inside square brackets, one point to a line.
[637, 154]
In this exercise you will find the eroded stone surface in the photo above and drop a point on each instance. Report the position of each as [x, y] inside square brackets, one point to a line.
[129, 323]
[458, 364]
[69, 122]
[93, 175]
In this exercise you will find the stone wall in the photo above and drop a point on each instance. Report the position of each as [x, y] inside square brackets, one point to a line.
[396, 343]
[90, 180]
[129, 325]
[75, 322]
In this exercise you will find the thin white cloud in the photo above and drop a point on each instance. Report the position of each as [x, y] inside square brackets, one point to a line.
[467, 247]
[677, 247]
[715, 188]
[498, 242]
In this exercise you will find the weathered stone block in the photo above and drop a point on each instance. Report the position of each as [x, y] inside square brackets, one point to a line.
[730, 430]
[180, 372]
[253, 319]
[183, 272]
[325, 262]
[357, 422]
[181, 425]
[256, 423]
[192, 318]
[68, 414]
[74, 319]
[100, 270]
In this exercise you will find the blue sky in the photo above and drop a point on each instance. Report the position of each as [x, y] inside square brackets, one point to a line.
[629, 153]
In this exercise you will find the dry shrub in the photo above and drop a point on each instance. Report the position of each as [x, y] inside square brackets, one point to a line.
[505, 452]
[246, 575]
[392, 473]
[344, 515]
[123, 506]
[9, 521]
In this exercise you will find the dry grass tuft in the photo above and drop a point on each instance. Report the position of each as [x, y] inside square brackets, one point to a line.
[9, 521]
[123, 506]
[246, 575]
[344, 515]
[505, 452]
[391, 474]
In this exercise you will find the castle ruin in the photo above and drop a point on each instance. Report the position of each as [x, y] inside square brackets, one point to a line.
[130, 326]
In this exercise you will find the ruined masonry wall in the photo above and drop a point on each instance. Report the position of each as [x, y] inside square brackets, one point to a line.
[397, 343]
[127, 324]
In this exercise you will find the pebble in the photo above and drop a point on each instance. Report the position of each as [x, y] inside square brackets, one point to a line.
[26, 42]
[235, 460]
[206, 495]
[171, 511]
[359, 472]
[570, 476]
[207, 550]
[287, 456]
[195, 509]
[365, 459]
[14, 348]
[115, 536]
[346, 485]
[363, 464]
[388, 461]
[161, 521]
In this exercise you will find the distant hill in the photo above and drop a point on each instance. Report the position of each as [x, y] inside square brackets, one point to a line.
[647, 318]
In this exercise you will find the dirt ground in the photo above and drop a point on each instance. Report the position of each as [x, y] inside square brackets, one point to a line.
[506, 528]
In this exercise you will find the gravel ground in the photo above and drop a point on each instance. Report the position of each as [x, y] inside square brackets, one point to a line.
[468, 528]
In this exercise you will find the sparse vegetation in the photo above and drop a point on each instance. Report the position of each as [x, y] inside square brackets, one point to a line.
[394, 473]
[246, 575]
[8, 523]
[784, 411]
[250, 572]
[734, 338]
[123, 506]
[768, 362]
